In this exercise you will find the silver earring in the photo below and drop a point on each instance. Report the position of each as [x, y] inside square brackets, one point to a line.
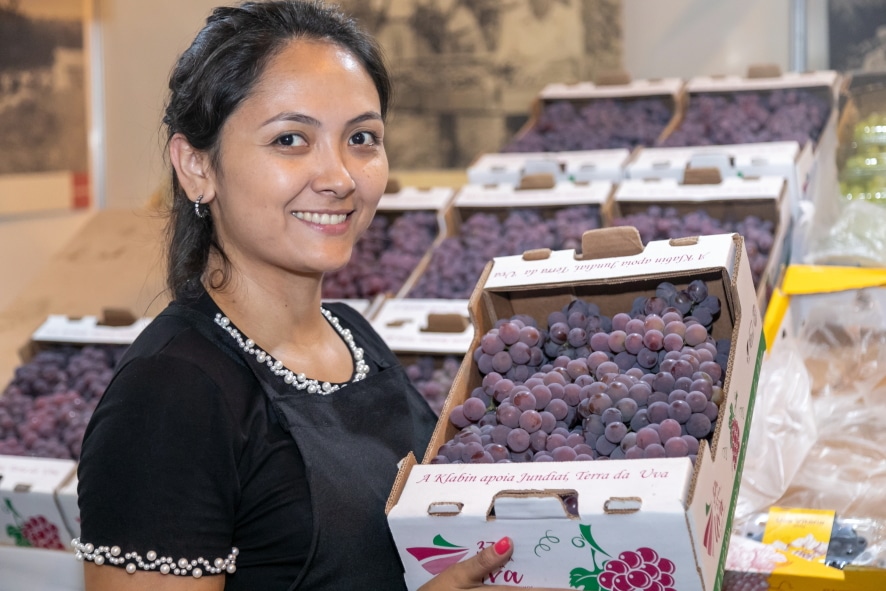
[200, 213]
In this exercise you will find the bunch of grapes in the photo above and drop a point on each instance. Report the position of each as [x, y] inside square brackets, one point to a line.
[457, 263]
[642, 384]
[642, 569]
[664, 223]
[597, 125]
[432, 381]
[45, 408]
[751, 116]
[384, 257]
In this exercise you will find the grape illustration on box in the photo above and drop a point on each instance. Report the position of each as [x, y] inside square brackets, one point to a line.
[642, 568]
[36, 531]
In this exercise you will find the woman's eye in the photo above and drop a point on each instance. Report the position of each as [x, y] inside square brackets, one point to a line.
[290, 139]
[364, 138]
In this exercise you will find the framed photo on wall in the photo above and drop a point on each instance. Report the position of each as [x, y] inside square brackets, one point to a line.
[44, 106]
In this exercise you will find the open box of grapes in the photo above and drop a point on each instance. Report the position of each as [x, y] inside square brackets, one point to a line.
[599, 418]
[758, 208]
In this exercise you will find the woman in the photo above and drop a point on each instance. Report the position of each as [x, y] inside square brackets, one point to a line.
[209, 464]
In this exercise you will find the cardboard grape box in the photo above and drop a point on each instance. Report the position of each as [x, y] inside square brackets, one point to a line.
[29, 515]
[396, 202]
[424, 325]
[610, 85]
[569, 519]
[542, 194]
[788, 160]
[430, 338]
[580, 165]
[821, 180]
[729, 199]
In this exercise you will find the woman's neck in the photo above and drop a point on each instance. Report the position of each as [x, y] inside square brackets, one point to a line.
[278, 315]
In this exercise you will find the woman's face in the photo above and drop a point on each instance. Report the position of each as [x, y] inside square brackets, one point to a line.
[302, 165]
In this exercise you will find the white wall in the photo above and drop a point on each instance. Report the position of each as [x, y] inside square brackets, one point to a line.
[685, 38]
[140, 43]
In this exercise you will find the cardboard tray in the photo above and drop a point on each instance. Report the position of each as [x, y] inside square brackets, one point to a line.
[730, 199]
[610, 85]
[512, 168]
[540, 192]
[441, 513]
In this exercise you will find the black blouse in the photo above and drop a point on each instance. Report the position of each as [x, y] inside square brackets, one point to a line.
[185, 457]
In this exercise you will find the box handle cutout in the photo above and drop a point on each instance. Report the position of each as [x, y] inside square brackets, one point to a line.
[589, 166]
[393, 186]
[622, 505]
[702, 176]
[536, 254]
[617, 241]
[534, 504]
[764, 71]
[537, 181]
[444, 509]
[117, 317]
[446, 323]
[21, 488]
[685, 241]
[397, 323]
[614, 77]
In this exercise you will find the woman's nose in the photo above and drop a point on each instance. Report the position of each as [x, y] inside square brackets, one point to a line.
[333, 175]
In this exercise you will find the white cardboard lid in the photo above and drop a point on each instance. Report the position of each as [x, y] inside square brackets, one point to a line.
[670, 189]
[402, 323]
[507, 194]
[59, 328]
[659, 256]
[415, 198]
[638, 88]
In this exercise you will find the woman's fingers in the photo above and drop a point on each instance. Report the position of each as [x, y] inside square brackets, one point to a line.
[490, 559]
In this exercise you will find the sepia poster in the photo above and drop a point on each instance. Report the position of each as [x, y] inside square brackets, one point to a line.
[43, 106]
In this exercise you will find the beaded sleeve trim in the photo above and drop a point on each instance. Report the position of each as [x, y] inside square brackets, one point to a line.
[166, 565]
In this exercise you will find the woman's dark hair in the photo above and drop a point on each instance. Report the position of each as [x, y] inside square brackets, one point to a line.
[214, 76]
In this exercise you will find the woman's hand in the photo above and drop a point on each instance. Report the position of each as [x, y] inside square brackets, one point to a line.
[470, 573]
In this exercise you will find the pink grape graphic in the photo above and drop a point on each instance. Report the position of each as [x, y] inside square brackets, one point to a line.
[435, 559]
[35, 531]
[642, 568]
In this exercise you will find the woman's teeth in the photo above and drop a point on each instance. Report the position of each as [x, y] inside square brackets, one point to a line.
[323, 219]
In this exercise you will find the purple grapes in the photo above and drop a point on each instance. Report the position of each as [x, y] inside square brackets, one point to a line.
[751, 116]
[458, 261]
[664, 223]
[595, 124]
[568, 405]
[384, 257]
[433, 378]
[45, 408]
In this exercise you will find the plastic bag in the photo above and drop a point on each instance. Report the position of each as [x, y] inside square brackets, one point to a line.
[781, 414]
[856, 237]
[843, 343]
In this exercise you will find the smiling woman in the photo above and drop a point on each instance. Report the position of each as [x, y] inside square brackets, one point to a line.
[250, 436]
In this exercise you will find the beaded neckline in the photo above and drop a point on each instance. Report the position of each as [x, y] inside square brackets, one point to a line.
[298, 380]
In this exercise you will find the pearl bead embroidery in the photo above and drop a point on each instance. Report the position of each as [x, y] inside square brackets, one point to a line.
[299, 380]
[152, 562]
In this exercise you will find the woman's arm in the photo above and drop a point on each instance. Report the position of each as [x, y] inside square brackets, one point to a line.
[103, 578]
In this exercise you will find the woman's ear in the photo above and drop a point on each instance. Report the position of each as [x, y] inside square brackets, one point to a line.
[192, 167]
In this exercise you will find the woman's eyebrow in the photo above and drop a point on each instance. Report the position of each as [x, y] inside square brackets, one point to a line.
[308, 120]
